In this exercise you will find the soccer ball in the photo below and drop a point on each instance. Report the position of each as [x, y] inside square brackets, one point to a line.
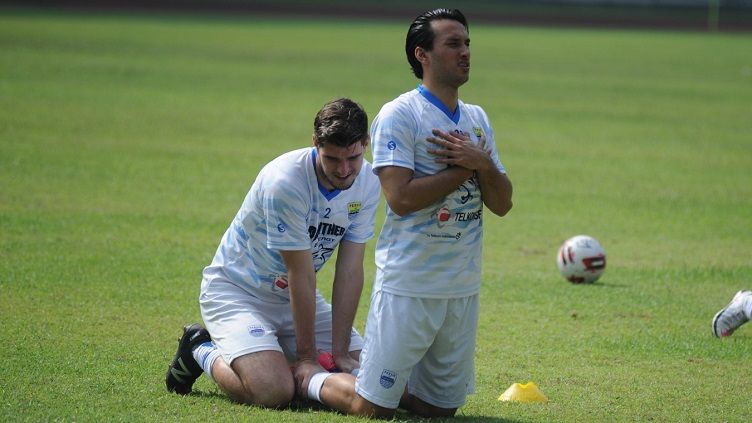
[581, 259]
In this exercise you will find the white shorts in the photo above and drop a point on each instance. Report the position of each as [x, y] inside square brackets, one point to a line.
[240, 323]
[427, 344]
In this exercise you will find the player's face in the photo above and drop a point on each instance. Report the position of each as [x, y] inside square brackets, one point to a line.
[449, 60]
[337, 167]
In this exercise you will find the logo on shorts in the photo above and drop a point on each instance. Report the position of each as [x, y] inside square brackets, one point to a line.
[256, 331]
[387, 378]
[391, 145]
[281, 227]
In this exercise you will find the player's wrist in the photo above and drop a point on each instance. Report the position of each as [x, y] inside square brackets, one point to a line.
[304, 360]
[486, 164]
[340, 351]
[306, 355]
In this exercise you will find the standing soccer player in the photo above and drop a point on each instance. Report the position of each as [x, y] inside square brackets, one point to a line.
[258, 297]
[438, 165]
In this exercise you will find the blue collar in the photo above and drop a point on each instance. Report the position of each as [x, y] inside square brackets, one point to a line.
[455, 117]
[322, 189]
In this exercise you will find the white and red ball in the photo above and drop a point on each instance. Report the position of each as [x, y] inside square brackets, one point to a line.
[581, 259]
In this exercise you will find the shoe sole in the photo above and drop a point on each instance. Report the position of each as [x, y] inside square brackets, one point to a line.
[717, 315]
[716, 333]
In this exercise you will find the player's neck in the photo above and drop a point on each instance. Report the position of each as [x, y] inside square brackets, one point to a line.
[321, 177]
[448, 95]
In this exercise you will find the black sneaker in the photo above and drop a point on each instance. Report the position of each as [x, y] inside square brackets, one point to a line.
[184, 370]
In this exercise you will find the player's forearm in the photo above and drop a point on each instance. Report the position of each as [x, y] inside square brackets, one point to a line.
[345, 297]
[303, 304]
[419, 193]
[496, 191]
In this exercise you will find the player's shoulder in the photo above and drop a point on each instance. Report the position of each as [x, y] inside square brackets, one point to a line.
[288, 169]
[403, 110]
[290, 162]
[404, 103]
[294, 157]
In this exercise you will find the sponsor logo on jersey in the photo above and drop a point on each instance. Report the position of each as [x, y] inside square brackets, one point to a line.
[391, 145]
[442, 215]
[456, 236]
[353, 208]
[325, 229]
[280, 282]
[468, 216]
[256, 331]
[387, 378]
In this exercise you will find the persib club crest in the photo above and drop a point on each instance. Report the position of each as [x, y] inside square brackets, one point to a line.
[478, 131]
[387, 378]
[353, 208]
[256, 330]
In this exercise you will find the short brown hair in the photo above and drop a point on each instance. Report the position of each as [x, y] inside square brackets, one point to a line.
[341, 122]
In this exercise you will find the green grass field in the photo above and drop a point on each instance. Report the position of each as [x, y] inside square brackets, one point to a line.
[127, 145]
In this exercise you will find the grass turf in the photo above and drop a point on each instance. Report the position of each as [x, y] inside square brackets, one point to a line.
[127, 144]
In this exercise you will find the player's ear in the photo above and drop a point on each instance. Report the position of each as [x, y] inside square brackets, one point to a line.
[313, 139]
[420, 54]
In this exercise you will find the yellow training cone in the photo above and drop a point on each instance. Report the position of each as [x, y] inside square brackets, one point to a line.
[526, 392]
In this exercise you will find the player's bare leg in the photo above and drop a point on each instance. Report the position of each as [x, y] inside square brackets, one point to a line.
[338, 393]
[262, 378]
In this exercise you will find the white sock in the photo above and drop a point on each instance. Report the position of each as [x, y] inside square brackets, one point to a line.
[315, 385]
[205, 354]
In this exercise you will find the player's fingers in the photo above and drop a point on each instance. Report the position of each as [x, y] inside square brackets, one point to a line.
[448, 137]
[440, 142]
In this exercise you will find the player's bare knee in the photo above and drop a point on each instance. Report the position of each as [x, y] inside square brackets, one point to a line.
[271, 397]
[274, 398]
[272, 394]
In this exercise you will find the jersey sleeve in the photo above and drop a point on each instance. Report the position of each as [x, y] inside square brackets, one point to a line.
[285, 210]
[393, 137]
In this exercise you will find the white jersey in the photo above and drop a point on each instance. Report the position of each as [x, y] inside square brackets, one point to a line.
[434, 252]
[286, 209]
